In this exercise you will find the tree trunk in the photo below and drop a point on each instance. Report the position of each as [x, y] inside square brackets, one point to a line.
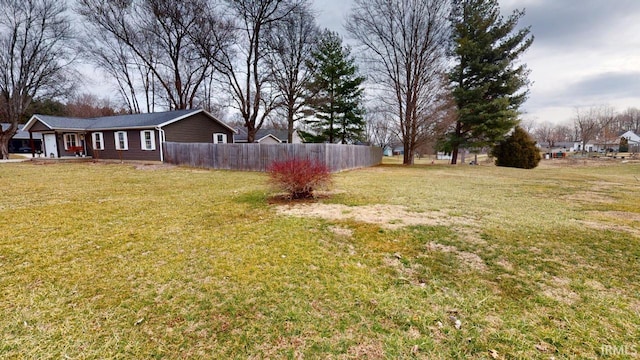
[251, 135]
[5, 137]
[290, 123]
[454, 155]
[408, 155]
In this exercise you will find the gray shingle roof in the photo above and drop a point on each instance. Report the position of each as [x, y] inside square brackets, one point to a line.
[139, 120]
[242, 135]
[57, 122]
[114, 122]
[21, 135]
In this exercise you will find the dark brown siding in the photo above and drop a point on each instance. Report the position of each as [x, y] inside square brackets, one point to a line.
[134, 152]
[61, 143]
[198, 128]
[38, 126]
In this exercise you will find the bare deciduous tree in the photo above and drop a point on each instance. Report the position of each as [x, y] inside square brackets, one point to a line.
[243, 66]
[34, 55]
[380, 130]
[150, 45]
[550, 135]
[590, 122]
[528, 125]
[544, 134]
[609, 129]
[290, 44]
[563, 132]
[88, 105]
[629, 120]
[404, 42]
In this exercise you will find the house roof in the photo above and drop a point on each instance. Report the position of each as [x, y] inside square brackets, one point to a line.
[631, 136]
[57, 122]
[20, 134]
[131, 121]
[277, 134]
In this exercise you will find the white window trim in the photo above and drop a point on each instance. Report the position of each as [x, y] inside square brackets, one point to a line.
[215, 138]
[117, 138]
[68, 136]
[94, 142]
[143, 140]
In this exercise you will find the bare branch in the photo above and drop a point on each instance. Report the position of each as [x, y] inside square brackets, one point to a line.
[404, 43]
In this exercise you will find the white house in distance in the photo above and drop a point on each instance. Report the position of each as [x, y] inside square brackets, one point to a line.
[633, 140]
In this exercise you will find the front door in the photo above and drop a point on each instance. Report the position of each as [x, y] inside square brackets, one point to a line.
[50, 145]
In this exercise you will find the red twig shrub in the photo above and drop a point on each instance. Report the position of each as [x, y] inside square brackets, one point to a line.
[299, 177]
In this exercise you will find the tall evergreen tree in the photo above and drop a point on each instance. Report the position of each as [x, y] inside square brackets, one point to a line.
[336, 93]
[488, 84]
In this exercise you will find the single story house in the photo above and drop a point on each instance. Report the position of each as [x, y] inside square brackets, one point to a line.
[126, 137]
[613, 145]
[267, 136]
[21, 143]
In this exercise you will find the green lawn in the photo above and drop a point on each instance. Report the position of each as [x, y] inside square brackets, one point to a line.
[122, 261]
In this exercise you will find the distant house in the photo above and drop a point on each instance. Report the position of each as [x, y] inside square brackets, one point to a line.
[613, 145]
[633, 141]
[597, 146]
[126, 137]
[398, 150]
[267, 136]
[21, 143]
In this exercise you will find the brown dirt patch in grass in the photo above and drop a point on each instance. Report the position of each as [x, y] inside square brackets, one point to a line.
[559, 290]
[470, 235]
[623, 215]
[387, 216]
[505, 265]
[589, 197]
[578, 162]
[610, 226]
[471, 260]
[284, 199]
[595, 285]
[367, 350]
[341, 231]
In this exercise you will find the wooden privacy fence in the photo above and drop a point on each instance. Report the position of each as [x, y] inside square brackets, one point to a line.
[258, 157]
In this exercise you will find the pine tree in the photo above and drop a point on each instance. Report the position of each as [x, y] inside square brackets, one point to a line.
[517, 150]
[488, 85]
[336, 93]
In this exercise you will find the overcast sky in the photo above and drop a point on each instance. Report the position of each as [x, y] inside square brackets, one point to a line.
[585, 52]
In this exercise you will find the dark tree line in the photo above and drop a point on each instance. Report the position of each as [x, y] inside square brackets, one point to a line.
[470, 105]
[184, 54]
[267, 59]
[35, 51]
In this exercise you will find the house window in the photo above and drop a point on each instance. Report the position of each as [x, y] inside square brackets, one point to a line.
[98, 141]
[121, 140]
[147, 140]
[219, 138]
[70, 141]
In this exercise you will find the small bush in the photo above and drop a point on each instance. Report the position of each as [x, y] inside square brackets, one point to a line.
[299, 177]
[517, 150]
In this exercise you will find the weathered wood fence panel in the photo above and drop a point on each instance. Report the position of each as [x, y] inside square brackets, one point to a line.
[258, 157]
